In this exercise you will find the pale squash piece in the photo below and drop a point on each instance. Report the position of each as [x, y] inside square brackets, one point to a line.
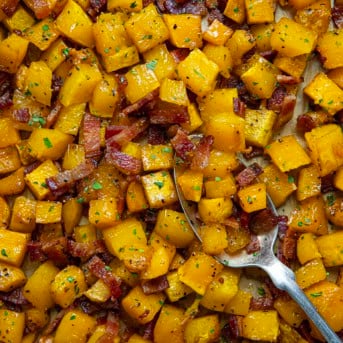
[215, 210]
[12, 247]
[330, 247]
[12, 325]
[177, 289]
[290, 311]
[203, 329]
[191, 184]
[309, 183]
[307, 248]
[310, 273]
[253, 197]
[239, 304]
[217, 33]
[11, 277]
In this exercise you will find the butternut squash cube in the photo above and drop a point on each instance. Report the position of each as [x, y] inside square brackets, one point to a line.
[214, 238]
[36, 317]
[184, 30]
[307, 248]
[329, 47]
[260, 78]
[160, 61]
[135, 198]
[13, 183]
[228, 132]
[159, 189]
[198, 72]
[23, 217]
[214, 210]
[76, 325]
[203, 329]
[12, 52]
[99, 292]
[174, 228]
[177, 289]
[239, 43]
[141, 81]
[82, 33]
[258, 126]
[261, 326]
[290, 311]
[287, 153]
[330, 248]
[135, 338]
[174, 92]
[294, 66]
[103, 212]
[142, 307]
[336, 75]
[326, 296]
[38, 82]
[37, 178]
[147, 28]
[253, 197]
[9, 160]
[221, 290]
[12, 325]
[238, 238]
[220, 187]
[85, 233]
[199, 271]
[79, 85]
[11, 277]
[125, 57]
[220, 164]
[56, 54]
[279, 185]
[4, 213]
[191, 183]
[309, 183]
[235, 10]
[68, 285]
[309, 216]
[169, 325]
[73, 156]
[12, 247]
[261, 33]
[259, 12]
[239, 304]
[338, 179]
[155, 157]
[10, 135]
[310, 273]
[69, 119]
[194, 119]
[325, 93]
[71, 214]
[292, 39]
[42, 34]
[221, 56]
[48, 212]
[218, 101]
[118, 268]
[20, 20]
[325, 145]
[127, 5]
[217, 33]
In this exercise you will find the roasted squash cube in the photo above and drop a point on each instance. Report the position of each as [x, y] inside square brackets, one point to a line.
[13, 183]
[85, 233]
[103, 212]
[56, 54]
[99, 292]
[228, 132]
[141, 81]
[191, 183]
[330, 248]
[12, 325]
[310, 273]
[142, 307]
[261, 326]
[309, 183]
[290, 311]
[9, 160]
[203, 329]
[261, 33]
[221, 56]
[220, 164]
[159, 189]
[155, 157]
[214, 238]
[220, 187]
[147, 28]
[329, 46]
[294, 66]
[184, 30]
[287, 153]
[253, 198]
[174, 92]
[48, 212]
[292, 39]
[71, 214]
[198, 72]
[325, 93]
[23, 217]
[127, 5]
[20, 20]
[125, 57]
[238, 238]
[325, 146]
[135, 198]
[217, 33]
[199, 271]
[10, 135]
[82, 33]
[239, 304]
[70, 118]
[279, 185]
[235, 10]
[174, 228]
[215, 210]
[309, 216]
[12, 247]
[176, 289]
[259, 12]
[307, 248]
[11, 277]
[194, 119]
[74, 155]
[4, 213]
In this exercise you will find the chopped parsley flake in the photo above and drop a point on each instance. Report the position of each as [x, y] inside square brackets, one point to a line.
[152, 64]
[47, 142]
[96, 185]
[4, 253]
[159, 184]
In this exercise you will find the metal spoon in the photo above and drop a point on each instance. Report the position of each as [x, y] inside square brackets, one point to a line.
[282, 277]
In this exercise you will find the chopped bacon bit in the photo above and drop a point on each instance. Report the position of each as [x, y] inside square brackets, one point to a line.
[233, 329]
[140, 103]
[287, 79]
[182, 145]
[112, 130]
[54, 324]
[182, 7]
[304, 330]
[248, 55]
[263, 221]
[111, 328]
[56, 250]
[253, 151]
[41, 8]
[5, 100]
[90, 307]
[5, 90]
[179, 54]
[98, 5]
[239, 107]
[86, 250]
[63, 181]
[156, 135]
[34, 249]
[22, 115]
[165, 113]
[127, 164]
[339, 117]
[158, 284]
[91, 136]
[31, 167]
[148, 332]
[231, 222]
[56, 84]
[15, 297]
[269, 55]
[337, 15]
[289, 245]
[309, 120]
[9, 6]
[98, 268]
[249, 174]
[274, 291]
[53, 115]
[254, 245]
[201, 153]
[327, 184]
[262, 303]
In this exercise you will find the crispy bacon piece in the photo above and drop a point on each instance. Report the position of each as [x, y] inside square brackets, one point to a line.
[287, 79]
[156, 135]
[31, 167]
[56, 84]
[53, 115]
[262, 303]
[304, 330]
[252, 152]
[41, 8]
[64, 181]
[158, 284]
[263, 221]
[22, 115]
[286, 250]
[165, 113]
[111, 328]
[9, 6]
[327, 183]
[201, 153]
[140, 103]
[56, 250]
[5, 90]
[127, 164]
[98, 268]
[86, 250]
[337, 15]
[52, 326]
[179, 54]
[309, 120]
[249, 174]
[239, 107]
[91, 136]
[269, 55]
[182, 145]
[91, 308]
[35, 252]
[233, 328]
[254, 245]
[98, 5]
[148, 332]
[15, 297]
[182, 7]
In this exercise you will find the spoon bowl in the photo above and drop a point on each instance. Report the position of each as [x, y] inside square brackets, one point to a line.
[282, 276]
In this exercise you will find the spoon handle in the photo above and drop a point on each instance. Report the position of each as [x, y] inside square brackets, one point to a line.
[284, 279]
